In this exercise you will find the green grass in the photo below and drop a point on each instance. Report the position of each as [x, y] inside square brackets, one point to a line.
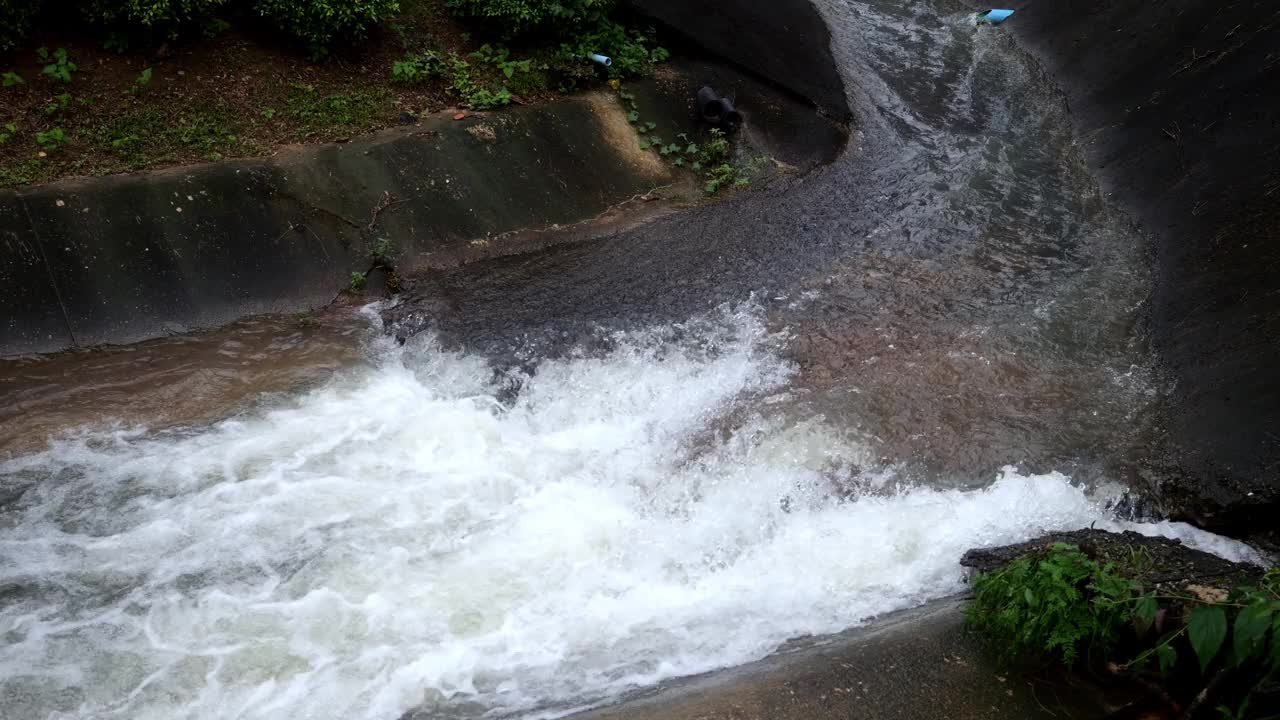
[150, 135]
[318, 112]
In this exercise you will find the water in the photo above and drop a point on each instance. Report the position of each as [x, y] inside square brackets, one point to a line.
[604, 464]
[400, 537]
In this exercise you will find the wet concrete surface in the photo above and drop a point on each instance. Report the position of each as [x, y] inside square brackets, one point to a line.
[913, 665]
[1178, 112]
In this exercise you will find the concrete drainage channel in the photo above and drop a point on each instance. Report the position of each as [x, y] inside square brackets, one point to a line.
[123, 259]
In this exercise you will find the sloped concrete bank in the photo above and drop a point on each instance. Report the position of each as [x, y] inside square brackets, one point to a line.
[917, 664]
[1177, 106]
[121, 259]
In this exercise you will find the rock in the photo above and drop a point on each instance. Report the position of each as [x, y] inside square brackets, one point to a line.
[1153, 560]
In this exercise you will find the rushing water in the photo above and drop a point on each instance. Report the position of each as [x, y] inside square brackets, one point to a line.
[400, 537]
[583, 479]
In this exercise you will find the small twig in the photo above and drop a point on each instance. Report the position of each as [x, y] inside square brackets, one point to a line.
[388, 200]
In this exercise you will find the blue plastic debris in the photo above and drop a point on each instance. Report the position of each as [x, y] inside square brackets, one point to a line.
[596, 57]
[994, 17]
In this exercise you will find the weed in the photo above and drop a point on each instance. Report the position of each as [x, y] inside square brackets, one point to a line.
[60, 68]
[11, 78]
[472, 94]
[9, 131]
[268, 113]
[142, 81]
[124, 142]
[381, 251]
[58, 104]
[722, 176]
[52, 139]
[357, 281]
[499, 57]
[418, 67]
[213, 27]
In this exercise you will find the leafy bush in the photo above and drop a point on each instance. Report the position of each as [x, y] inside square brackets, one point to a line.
[322, 23]
[514, 17]
[1053, 606]
[1058, 604]
[146, 18]
[15, 21]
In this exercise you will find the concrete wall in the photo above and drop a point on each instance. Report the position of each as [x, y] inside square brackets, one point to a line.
[1178, 106]
[126, 258]
[784, 41]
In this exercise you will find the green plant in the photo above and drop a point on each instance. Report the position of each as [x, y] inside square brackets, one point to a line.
[500, 57]
[381, 251]
[9, 131]
[418, 67]
[58, 104]
[268, 113]
[1059, 604]
[473, 95]
[142, 81]
[1052, 606]
[357, 281]
[52, 139]
[213, 27]
[322, 23]
[722, 176]
[11, 78]
[60, 68]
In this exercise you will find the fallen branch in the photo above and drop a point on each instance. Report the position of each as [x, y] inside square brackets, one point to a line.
[388, 200]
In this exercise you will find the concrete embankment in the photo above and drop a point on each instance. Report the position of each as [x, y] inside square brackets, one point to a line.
[120, 259]
[1177, 106]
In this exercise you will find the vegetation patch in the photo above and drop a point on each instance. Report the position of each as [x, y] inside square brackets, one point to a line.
[710, 158]
[1213, 649]
[104, 87]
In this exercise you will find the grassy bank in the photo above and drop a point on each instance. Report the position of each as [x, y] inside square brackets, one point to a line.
[73, 107]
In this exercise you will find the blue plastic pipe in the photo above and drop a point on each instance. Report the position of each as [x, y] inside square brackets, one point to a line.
[995, 17]
[603, 60]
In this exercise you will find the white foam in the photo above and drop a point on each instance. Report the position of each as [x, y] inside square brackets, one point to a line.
[401, 538]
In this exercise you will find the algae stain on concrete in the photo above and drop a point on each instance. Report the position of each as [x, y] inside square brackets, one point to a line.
[618, 133]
